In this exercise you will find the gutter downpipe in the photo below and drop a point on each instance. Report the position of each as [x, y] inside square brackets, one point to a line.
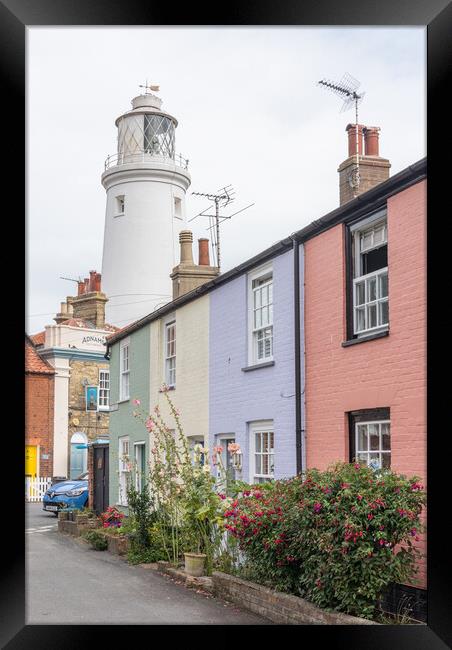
[299, 446]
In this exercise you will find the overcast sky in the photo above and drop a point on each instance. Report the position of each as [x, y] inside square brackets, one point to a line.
[250, 114]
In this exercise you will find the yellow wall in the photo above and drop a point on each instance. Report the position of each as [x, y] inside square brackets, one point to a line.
[191, 395]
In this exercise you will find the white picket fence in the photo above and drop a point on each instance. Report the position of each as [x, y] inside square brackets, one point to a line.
[35, 487]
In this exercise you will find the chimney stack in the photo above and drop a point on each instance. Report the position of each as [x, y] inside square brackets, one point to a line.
[187, 275]
[373, 169]
[89, 303]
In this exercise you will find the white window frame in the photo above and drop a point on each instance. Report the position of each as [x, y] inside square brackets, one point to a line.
[253, 332]
[377, 278]
[259, 428]
[380, 449]
[103, 390]
[141, 444]
[120, 205]
[123, 468]
[124, 371]
[169, 360]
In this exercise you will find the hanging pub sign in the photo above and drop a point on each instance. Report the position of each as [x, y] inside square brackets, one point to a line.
[91, 398]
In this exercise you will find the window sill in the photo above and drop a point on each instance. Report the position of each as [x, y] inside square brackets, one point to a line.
[122, 401]
[265, 364]
[363, 339]
[161, 390]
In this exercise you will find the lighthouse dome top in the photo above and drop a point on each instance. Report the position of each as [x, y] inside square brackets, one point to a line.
[147, 101]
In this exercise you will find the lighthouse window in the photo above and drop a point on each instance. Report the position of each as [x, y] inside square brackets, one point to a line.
[177, 207]
[158, 135]
[120, 204]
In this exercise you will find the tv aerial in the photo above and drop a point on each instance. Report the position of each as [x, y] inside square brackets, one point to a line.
[223, 197]
[346, 89]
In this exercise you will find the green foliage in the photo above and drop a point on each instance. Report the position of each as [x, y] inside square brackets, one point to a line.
[141, 512]
[151, 552]
[97, 539]
[336, 538]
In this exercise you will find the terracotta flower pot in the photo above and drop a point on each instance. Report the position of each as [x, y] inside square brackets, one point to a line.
[194, 564]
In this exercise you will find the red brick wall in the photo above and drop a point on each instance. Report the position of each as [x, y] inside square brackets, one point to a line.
[39, 400]
[387, 372]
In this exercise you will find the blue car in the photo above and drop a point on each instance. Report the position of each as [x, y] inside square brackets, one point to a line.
[72, 493]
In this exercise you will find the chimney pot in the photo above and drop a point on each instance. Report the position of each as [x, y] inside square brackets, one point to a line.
[351, 129]
[204, 259]
[371, 136]
[186, 240]
[92, 279]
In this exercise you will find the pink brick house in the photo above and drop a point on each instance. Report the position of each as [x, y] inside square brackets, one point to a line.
[365, 328]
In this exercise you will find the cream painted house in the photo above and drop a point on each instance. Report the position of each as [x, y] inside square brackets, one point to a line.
[179, 359]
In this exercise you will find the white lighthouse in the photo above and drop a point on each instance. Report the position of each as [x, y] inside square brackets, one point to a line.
[146, 182]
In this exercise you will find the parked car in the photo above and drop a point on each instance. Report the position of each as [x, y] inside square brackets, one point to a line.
[71, 493]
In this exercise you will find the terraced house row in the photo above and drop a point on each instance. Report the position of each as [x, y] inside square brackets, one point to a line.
[312, 351]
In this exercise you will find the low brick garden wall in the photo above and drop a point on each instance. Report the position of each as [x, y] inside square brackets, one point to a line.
[203, 582]
[276, 606]
[75, 524]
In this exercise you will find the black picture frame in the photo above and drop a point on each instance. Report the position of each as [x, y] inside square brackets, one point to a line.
[436, 15]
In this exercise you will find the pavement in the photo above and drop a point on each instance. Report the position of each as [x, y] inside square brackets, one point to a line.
[67, 582]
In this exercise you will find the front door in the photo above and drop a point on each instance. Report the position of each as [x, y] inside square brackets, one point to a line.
[100, 491]
[226, 456]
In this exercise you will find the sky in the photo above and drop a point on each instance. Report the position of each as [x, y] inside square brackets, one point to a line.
[250, 114]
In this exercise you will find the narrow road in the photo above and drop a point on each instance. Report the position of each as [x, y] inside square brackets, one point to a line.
[69, 583]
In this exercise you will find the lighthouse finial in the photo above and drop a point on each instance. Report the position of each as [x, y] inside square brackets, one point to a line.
[151, 87]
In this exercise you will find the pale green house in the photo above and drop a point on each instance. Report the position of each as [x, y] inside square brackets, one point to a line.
[130, 377]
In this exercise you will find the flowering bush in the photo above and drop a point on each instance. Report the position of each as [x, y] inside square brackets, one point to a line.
[337, 538]
[112, 518]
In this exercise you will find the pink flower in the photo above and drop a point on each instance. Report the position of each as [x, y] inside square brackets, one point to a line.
[137, 402]
[150, 424]
[233, 447]
[218, 450]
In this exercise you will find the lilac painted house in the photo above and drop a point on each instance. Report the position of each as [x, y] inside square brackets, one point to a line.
[252, 387]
